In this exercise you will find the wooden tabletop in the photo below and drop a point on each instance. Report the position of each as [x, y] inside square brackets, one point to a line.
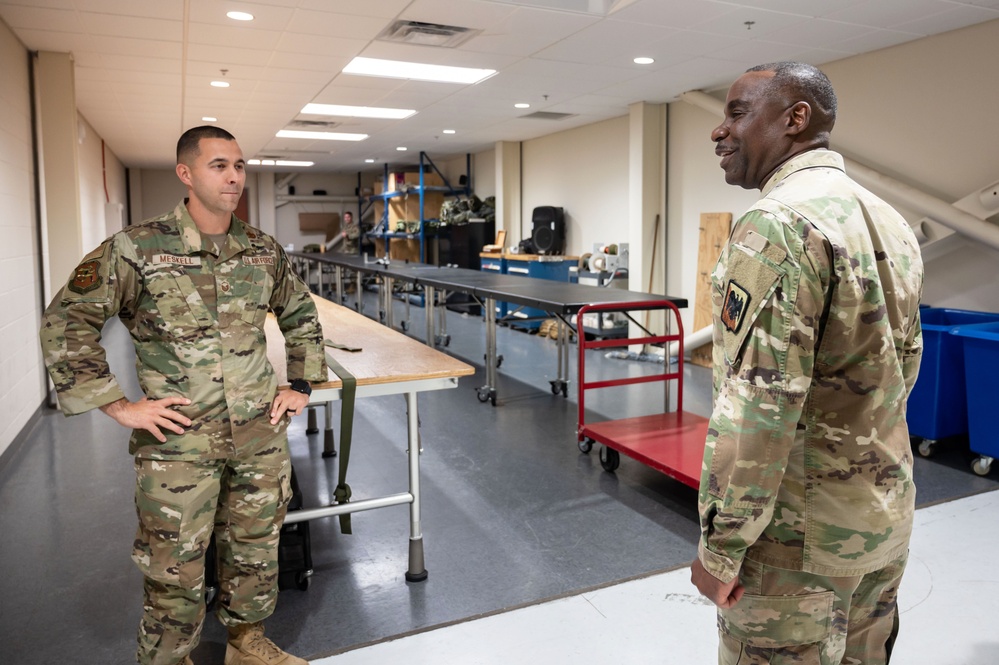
[387, 356]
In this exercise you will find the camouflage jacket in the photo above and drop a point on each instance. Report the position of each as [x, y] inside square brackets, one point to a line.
[817, 344]
[196, 315]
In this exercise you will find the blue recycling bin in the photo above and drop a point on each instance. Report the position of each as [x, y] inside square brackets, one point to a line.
[981, 375]
[938, 405]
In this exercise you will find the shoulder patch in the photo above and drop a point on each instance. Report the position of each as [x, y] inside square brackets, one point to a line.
[87, 277]
[734, 307]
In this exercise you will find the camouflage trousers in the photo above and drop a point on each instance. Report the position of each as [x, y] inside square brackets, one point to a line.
[179, 504]
[789, 616]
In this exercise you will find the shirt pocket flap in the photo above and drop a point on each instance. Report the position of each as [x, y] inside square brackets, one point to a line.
[771, 622]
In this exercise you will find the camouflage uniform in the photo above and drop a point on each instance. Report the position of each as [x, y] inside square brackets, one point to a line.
[806, 488]
[351, 238]
[196, 315]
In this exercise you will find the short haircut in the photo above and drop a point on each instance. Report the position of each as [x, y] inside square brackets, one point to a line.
[804, 82]
[187, 145]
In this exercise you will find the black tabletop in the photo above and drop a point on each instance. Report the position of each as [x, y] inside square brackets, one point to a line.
[555, 297]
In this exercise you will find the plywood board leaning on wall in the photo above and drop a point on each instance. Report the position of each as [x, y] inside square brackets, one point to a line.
[714, 230]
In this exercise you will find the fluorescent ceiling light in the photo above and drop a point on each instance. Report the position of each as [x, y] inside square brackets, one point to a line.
[369, 161]
[402, 148]
[448, 131]
[399, 69]
[521, 106]
[209, 118]
[643, 61]
[277, 162]
[220, 84]
[323, 136]
[240, 16]
[357, 111]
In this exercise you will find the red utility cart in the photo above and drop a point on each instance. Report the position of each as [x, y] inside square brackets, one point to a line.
[670, 442]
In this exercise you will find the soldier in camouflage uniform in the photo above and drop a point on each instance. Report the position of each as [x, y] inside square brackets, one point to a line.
[806, 498]
[351, 235]
[209, 437]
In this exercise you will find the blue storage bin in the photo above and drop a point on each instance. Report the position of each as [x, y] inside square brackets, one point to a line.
[938, 405]
[981, 375]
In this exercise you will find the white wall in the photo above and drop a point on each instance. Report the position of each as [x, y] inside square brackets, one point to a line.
[585, 171]
[334, 184]
[22, 381]
[922, 113]
[925, 113]
[100, 183]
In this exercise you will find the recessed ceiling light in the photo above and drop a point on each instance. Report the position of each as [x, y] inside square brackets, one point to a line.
[240, 16]
[521, 106]
[643, 61]
[322, 136]
[402, 148]
[448, 131]
[369, 161]
[357, 111]
[220, 84]
[209, 118]
[398, 69]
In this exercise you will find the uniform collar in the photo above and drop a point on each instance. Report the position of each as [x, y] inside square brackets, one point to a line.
[237, 241]
[818, 158]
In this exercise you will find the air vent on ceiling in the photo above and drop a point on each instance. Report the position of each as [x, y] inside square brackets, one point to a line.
[426, 34]
[547, 115]
[313, 124]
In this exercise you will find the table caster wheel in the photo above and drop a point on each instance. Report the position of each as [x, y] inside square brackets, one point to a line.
[585, 445]
[927, 447]
[610, 459]
[982, 465]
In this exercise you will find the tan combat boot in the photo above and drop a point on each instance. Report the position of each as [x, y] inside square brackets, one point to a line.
[248, 646]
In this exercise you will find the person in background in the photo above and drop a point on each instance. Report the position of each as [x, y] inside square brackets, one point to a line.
[209, 435]
[806, 497]
[351, 233]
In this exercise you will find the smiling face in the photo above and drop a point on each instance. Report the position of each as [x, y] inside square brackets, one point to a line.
[753, 139]
[214, 177]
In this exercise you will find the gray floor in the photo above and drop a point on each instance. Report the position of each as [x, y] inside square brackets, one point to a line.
[513, 513]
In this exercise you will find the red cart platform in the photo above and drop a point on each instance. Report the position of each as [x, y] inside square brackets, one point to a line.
[670, 442]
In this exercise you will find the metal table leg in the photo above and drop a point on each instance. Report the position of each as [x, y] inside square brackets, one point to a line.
[428, 296]
[358, 293]
[329, 442]
[487, 393]
[388, 284]
[338, 277]
[417, 568]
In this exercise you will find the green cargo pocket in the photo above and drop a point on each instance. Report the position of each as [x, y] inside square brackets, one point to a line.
[770, 622]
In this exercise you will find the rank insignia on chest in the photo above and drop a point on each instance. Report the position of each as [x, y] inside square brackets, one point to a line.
[87, 277]
[734, 307]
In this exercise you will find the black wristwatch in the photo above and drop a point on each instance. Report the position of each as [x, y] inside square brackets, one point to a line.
[301, 386]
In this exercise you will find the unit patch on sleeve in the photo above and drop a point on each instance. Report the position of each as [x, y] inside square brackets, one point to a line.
[87, 277]
[734, 307]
